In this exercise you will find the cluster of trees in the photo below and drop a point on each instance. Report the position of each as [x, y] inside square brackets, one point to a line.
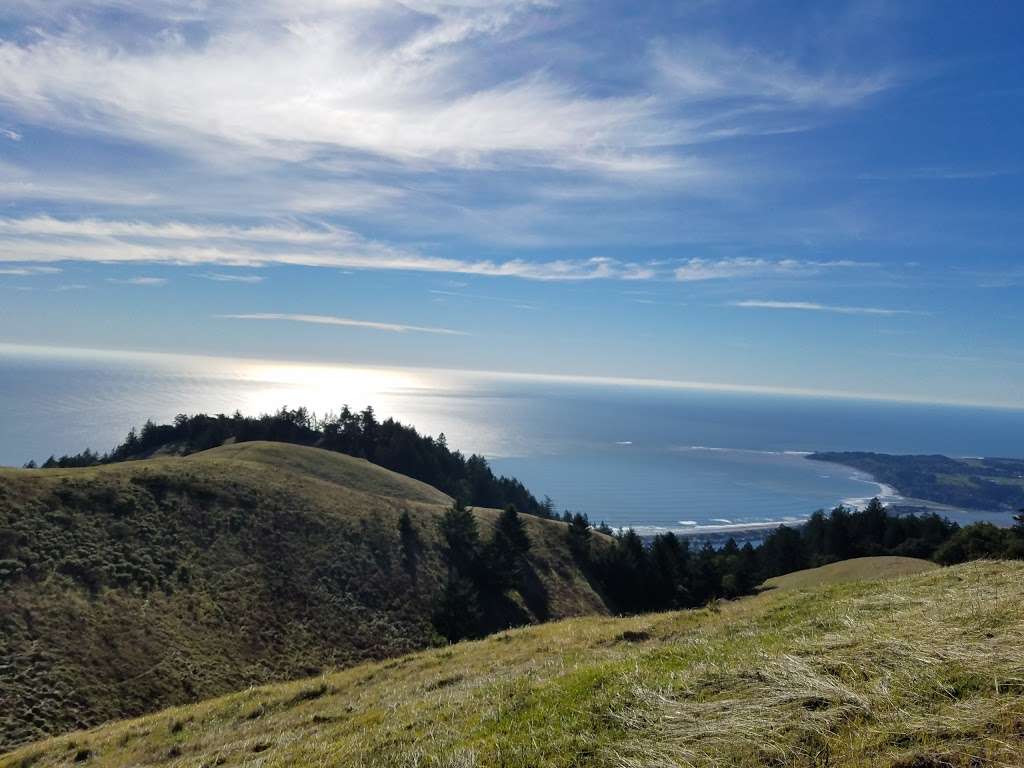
[479, 574]
[634, 574]
[666, 572]
[388, 443]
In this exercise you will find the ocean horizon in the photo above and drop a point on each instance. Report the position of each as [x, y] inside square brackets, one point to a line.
[654, 458]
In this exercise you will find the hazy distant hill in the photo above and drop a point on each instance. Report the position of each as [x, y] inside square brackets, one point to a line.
[132, 586]
[916, 672]
[984, 484]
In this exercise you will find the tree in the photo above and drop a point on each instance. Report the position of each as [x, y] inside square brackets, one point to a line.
[411, 544]
[669, 557]
[461, 538]
[579, 537]
[974, 542]
[457, 612]
[506, 553]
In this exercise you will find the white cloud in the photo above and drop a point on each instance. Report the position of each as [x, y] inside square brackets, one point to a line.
[220, 277]
[717, 269]
[7, 133]
[45, 239]
[48, 239]
[701, 70]
[173, 230]
[345, 321]
[276, 83]
[26, 271]
[138, 280]
[413, 83]
[517, 303]
[809, 306]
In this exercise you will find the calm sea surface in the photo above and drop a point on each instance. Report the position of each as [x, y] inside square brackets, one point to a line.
[651, 457]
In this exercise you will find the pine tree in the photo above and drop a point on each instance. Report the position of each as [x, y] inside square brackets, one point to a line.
[506, 553]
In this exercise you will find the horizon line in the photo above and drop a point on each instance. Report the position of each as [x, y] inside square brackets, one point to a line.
[562, 378]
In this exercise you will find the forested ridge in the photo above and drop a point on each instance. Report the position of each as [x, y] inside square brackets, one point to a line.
[389, 444]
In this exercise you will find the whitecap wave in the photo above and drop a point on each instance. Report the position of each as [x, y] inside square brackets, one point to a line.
[755, 451]
[717, 527]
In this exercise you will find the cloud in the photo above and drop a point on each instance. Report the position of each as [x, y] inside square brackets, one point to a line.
[699, 70]
[809, 306]
[421, 85]
[940, 174]
[220, 277]
[7, 133]
[26, 271]
[517, 303]
[71, 287]
[48, 226]
[708, 269]
[51, 240]
[345, 321]
[276, 82]
[138, 280]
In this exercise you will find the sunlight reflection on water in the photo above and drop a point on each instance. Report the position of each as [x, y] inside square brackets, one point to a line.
[640, 455]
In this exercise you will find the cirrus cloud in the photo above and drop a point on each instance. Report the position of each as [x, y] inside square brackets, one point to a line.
[811, 306]
[343, 321]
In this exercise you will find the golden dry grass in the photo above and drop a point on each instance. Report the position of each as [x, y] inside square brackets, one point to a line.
[918, 671]
[152, 583]
[854, 569]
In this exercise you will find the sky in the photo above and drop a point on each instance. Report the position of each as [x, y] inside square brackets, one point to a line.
[792, 196]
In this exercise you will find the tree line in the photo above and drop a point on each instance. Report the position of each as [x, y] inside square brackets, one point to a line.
[666, 572]
[388, 443]
[634, 574]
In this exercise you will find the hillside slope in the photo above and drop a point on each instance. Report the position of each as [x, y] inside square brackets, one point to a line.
[128, 587]
[920, 671]
[854, 569]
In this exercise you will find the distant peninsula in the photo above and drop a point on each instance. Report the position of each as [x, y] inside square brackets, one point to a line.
[985, 484]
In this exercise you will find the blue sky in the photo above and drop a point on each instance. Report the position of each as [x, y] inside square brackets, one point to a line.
[790, 196]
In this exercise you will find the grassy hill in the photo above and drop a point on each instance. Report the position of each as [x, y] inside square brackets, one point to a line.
[854, 569]
[919, 671]
[129, 587]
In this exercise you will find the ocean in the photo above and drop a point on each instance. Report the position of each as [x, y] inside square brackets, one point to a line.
[651, 457]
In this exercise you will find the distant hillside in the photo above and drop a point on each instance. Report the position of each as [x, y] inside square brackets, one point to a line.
[917, 672]
[855, 569]
[387, 443]
[131, 586]
[984, 484]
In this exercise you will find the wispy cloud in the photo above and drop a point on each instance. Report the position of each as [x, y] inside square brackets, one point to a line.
[810, 306]
[51, 240]
[345, 321]
[26, 271]
[221, 277]
[282, 82]
[712, 269]
[152, 281]
[7, 133]
[940, 173]
[48, 239]
[703, 70]
[313, 81]
[518, 303]
[48, 226]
